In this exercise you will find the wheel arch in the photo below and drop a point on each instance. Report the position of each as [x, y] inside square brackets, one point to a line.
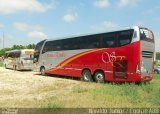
[90, 78]
[86, 69]
[42, 67]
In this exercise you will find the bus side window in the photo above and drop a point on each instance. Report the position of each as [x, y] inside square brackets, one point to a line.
[67, 44]
[17, 54]
[94, 41]
[83, 42]
[108, 40]
[78, 43]
[55, 46]
[125, 37]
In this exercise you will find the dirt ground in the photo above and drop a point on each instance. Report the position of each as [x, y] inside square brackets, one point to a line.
[29, 89]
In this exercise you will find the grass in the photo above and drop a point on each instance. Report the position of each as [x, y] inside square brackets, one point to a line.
[1, 64]
[113, 95]
[78, 94]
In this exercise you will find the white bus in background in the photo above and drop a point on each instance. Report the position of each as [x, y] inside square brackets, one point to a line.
[19, 59]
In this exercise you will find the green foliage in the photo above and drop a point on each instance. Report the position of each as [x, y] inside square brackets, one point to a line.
[1, 64]
[2, 51]
[158, 56]
[30, 46]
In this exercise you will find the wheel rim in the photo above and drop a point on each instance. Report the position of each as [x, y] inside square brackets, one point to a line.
[86, 76]
[100, 77]
[42, 71]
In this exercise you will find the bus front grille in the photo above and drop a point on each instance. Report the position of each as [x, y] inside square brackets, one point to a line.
[147, 54]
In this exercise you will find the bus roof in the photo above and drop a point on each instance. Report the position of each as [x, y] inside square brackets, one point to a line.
[18, 50]
[72, 36]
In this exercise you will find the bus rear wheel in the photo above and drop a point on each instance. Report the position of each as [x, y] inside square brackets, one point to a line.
[15, 67]
[42, 70]
[99, 77]
[86, 76]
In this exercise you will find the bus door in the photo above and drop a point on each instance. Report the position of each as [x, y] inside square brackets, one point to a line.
[120, 69]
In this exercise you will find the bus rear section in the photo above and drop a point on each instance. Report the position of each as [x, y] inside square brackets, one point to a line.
[147, 54]
[26, 60]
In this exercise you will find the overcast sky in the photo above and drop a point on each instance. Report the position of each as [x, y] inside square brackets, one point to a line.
[30, 21]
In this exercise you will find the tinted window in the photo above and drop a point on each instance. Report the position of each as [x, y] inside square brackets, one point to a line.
[9, 55]
[39, 46]
[15, 54]
[84, 42]
[146, 35]
[56, 45]
[94, 41]
[80, 42]
[109, 40]
[104, 40]
[67, 44]
[124, 37]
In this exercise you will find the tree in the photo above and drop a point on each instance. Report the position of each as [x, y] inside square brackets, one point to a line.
[18, 47]
[2, 51]
[31, 46]
[14, 47]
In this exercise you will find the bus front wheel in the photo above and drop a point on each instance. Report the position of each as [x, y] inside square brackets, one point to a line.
[86, 76]
[42, 70]
[156, 72]
[99, 77]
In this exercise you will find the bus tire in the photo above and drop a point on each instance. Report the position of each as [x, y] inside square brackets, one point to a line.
[156, 72]
[86, 76]
[15, 67]
[42, 70]
[99, 77]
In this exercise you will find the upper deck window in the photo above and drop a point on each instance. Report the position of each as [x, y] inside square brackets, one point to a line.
[109, 40]
[125, 37]
[146, 35]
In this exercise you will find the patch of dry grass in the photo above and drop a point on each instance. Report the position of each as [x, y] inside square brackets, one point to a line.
[27, 90]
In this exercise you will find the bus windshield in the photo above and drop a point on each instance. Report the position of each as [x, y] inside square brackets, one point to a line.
[39, 46]
[14, 54]
[146, 35]
[37, 51]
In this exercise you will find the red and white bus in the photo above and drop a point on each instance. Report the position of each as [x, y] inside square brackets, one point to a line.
[117, 56]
